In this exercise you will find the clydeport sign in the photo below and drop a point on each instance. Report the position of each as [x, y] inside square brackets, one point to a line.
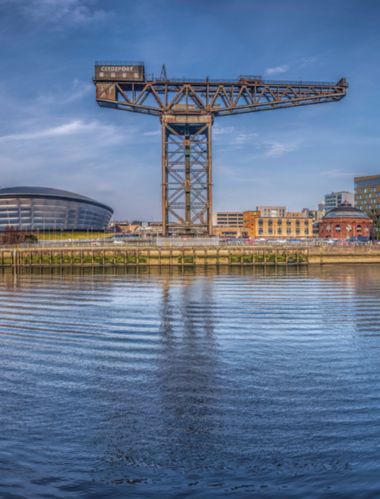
[108, 72]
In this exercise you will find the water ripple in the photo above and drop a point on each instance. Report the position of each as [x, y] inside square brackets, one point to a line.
[242, 382]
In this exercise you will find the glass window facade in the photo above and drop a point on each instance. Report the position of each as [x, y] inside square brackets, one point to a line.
[367, 198]
[37, 212]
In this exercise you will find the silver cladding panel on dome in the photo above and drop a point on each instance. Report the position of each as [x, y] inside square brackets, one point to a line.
[49, 213]
[345, 213]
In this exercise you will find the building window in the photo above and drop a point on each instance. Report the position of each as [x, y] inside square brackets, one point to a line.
[337, 228]
[279, 221]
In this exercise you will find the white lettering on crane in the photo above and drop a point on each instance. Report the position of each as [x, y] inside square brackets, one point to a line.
[118, 68]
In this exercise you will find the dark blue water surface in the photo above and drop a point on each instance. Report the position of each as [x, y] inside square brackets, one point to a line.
[259, 383]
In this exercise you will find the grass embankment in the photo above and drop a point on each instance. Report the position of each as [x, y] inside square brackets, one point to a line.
[62, 236]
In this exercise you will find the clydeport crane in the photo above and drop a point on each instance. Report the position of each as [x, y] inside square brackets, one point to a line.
[187, 108]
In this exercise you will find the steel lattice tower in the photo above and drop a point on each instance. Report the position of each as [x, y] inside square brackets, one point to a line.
[187, 109]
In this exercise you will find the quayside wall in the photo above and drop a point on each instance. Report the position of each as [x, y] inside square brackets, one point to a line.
[127, 256]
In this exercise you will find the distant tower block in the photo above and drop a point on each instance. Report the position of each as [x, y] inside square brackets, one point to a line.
[187, 109]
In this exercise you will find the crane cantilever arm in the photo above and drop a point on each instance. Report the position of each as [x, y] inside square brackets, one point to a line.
[187, 109]
[217, 98]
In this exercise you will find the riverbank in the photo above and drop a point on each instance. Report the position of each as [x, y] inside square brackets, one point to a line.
[132, 256]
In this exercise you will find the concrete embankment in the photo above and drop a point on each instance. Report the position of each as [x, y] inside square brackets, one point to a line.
[127, 256]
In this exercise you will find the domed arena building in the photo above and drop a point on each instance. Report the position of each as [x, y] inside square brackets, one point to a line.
[46, 209]
[345, 222]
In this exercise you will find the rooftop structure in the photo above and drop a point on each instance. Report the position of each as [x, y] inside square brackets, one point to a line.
[271, 211]
[347, 211]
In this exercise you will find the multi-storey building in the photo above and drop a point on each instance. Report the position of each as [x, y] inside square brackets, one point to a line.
[266, 222]
[367, 198]
[335, 199]
[291, 225]
[228, 218]
[228, 224]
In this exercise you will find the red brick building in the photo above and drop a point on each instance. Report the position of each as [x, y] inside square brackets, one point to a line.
[344, 222]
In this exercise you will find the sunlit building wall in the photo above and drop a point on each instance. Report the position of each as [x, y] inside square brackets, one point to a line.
[292, 225]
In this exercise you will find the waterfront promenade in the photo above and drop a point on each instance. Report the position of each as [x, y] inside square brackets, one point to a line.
[109, 255]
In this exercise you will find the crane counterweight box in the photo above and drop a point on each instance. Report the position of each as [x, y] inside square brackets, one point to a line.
[119, 72]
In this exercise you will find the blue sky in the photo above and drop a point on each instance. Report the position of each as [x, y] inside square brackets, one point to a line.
[53, 134]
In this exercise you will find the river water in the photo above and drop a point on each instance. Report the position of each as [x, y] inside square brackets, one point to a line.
[236, 383]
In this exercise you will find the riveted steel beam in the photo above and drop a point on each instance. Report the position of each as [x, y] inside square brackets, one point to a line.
[186, 175]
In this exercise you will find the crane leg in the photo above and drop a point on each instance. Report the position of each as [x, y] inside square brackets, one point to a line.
[186, 175]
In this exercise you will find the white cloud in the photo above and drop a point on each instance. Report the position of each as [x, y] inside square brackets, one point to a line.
[223, 130]
[277, 69]
[75, 127]
[308, 61]
[235, 137]
[67, 95]
[278, 149]
[243, 138]
[261, 146]
[58, 12]
[152, 133]
[337, 173]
